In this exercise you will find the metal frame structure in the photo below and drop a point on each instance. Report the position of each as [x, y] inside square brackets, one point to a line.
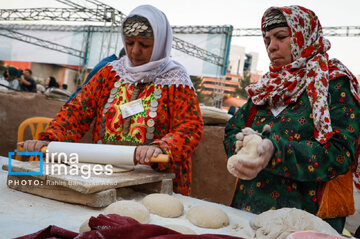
[110, 19]
[339, 31]
[97, 12]
[201, 29]
[56, 14]
[42, 43]
[178, 44]
[198, 52]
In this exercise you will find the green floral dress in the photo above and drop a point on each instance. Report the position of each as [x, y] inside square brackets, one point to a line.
[292, 177]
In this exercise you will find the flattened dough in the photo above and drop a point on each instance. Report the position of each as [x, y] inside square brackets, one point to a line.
[207, 216]
[181, 229]
[131, 209]
[163, 205]
[278, 224]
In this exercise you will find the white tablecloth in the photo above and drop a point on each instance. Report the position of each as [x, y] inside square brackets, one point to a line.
[22, 213]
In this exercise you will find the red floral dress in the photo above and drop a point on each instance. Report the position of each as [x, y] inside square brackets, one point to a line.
[177, 129]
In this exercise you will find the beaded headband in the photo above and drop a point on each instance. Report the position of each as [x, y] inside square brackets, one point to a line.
[273, 20]
[137, 26]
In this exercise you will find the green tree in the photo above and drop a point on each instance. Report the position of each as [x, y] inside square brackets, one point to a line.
[197, 85]
[2, 66]
[244, 82]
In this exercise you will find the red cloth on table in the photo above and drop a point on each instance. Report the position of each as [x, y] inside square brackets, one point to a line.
[113, 226]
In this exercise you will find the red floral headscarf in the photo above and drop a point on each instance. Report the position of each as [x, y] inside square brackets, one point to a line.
[310, 70]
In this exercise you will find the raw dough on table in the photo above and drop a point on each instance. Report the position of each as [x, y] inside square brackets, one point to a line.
[181, 229]
[84, 227]
[207, 216]
[247, 152]
[242, 229]
[128, 208]
[278, 224]
[163, 205]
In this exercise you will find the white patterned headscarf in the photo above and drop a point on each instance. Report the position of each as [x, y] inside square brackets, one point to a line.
[161, 69]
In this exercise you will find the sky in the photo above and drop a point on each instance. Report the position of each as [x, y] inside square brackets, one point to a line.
[243, 14]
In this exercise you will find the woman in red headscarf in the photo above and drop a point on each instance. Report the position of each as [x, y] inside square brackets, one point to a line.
[312, 106]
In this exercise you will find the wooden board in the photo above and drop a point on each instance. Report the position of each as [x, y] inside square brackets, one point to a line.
[60, 193]
[213, 116]
[96, 183]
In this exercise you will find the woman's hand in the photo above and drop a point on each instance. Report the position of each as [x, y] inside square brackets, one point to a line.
[33, 145]
[145, 152]
[249, 169]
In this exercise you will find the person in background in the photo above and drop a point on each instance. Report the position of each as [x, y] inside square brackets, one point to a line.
[51, 82]
[98, 66]
[4, 83]
[26, 81]
[232, 110]
[64, 90]
[312, 104]
[14, 75]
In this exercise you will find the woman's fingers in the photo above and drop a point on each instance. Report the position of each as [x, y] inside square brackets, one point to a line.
[144, 153]
[249, 169]
[266, 147]
[39, 144]
[29, 146]
[149, 154]
[157, 152]
[243, 173]
[32, 145]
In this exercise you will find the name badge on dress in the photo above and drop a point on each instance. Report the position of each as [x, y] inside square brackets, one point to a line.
[131, 108]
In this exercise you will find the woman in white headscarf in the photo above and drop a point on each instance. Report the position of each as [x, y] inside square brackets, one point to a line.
[166, 118]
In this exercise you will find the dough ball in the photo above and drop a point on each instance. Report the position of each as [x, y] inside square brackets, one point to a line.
[181, 229]
[84, 227]
[231, 164]
[163, 205]
[207, 216]
[250, 145]
[247, 152]
[282, 222]
[248, 131]
[131, 209]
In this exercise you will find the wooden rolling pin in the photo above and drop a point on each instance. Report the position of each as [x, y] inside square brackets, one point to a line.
[117, 155]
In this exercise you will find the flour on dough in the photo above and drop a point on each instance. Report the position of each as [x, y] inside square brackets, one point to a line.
[163, 205]
[278, 224]
[242, 229]
[128, 208]
[207, 216]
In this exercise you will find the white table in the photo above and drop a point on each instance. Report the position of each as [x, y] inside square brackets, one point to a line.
[22, 213]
